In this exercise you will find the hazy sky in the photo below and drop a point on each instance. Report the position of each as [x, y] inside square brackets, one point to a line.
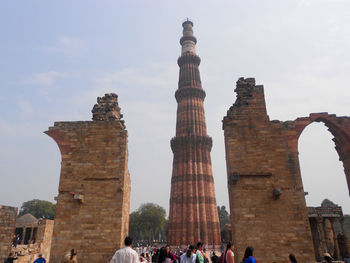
[56, 57]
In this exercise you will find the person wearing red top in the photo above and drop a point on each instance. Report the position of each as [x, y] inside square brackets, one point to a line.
[229, 255]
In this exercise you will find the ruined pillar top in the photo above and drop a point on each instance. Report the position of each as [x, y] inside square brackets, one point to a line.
[107, 108]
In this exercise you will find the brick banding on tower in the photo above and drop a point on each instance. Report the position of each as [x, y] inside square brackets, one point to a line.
[189, 92]
[193, 212]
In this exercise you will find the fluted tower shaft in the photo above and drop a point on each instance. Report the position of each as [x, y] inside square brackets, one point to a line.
[193, 213]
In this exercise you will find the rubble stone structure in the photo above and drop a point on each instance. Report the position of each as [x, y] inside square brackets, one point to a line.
[35, 238]
[267, 203]
[92, 212]
[324, 236]
[8, 217]
[193, 213]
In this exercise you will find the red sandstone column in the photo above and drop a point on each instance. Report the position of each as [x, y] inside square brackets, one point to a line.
[192, 184]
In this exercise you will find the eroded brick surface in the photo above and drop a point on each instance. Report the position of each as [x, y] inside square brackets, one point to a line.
[92, 212]
[8, 217]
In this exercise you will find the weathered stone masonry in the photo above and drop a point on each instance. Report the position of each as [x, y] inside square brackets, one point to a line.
[92, 213]
[8, 217]
[267, 203]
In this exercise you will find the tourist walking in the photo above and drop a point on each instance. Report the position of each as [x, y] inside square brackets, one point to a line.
[229, 255]
[189, 256]
[292, 258]
[201, 257]
[248, 255]
[126, 254]
[327, 258]
[163, 256]
[40, 259]
[69, 257]
[11, 258]
[214, 258]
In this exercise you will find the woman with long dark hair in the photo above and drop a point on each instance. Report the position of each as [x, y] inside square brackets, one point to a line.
[248, 255]
[229, 255]
[163, 256]
[292, 258]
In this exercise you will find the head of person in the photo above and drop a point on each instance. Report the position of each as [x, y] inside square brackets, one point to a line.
[73, 254]
[162, 255]
[248, 252]
[11, 254]
[128, 241]
[191, 250]
[292, 258]
[167, 247]
[327, 257]
[40, 255]
[200, 246]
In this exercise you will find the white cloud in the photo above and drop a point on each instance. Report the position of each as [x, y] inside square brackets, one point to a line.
[44, 79]
[68, 45]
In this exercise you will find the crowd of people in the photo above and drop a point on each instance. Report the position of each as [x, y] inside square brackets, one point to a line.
[68, 257]
[192, 254]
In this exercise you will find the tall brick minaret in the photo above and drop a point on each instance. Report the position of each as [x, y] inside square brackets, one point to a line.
[193, 213]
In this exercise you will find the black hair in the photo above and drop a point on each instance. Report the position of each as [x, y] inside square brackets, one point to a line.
[190, 248]
[292, 258]
[248, 252]
[128, 241]
[162, 255]
[228, 246]
[199, 244]
[72, 253]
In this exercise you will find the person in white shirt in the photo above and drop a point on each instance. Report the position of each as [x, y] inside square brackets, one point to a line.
[189, 256]
[126, 254]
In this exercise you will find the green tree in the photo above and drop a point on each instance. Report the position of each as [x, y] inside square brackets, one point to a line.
[328, 203]
[224, 217]
[148, 222]
[38, 208]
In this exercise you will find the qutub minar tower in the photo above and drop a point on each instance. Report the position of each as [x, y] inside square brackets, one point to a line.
[193, 213]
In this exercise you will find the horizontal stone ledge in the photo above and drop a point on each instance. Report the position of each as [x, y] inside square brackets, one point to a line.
[188, 58]
[191, 140]
[193, 200]
[189, 93]
[192, 177]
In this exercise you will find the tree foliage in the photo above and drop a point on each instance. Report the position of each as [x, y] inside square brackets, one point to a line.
[328, 203]
[38, 208]
[224, 217]
[148, 222]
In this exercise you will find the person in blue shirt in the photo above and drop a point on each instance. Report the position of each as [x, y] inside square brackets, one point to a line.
[40, 259]
[248, 255]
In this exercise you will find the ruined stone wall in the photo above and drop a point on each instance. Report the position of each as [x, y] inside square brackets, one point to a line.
[44, 236]
[267, 203]
[92, 212]
[28, 253]
[8, 217]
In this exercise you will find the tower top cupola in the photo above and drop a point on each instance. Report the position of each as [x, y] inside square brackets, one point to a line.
[188, 40]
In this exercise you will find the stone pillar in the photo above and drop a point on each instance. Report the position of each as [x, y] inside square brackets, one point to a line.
[336, 245]
[92, 212]
[320, 227]
[8, 217]
[267, 202]
[193, 212]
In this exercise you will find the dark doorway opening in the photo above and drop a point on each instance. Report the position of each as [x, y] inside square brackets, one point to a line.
[27, 236]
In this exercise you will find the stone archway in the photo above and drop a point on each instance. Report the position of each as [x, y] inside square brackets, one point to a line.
[267, 198]
[339, 127]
